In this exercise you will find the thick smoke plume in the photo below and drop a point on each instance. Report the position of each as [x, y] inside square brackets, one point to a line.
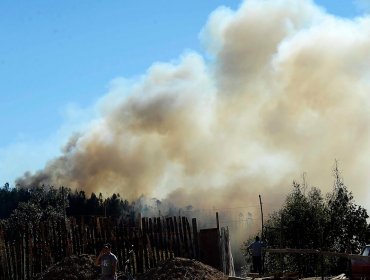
[284, 90]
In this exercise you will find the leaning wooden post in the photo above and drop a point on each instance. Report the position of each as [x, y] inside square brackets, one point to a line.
[261, 217]
[262, 236]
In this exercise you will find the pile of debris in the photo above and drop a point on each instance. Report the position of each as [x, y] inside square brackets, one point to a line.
[182, 269]
[72, 268]
[82, 268]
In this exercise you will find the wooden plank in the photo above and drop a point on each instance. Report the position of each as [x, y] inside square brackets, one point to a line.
[165, 239]
[178, 238]
[23, 255]
[8, 262]
[195, 238]
[136, 249]
[35, 250]
[160, 239]
[3, 254]
[14, 260]
[156, 240]
[314, 251]
[120, 245]
[17, 253]
[153, 262]
[173, 236]
[181, 236]
[190, 241]
[185, 237]
[291, 251]
[170, 236]
[29, 253]
[144, 222]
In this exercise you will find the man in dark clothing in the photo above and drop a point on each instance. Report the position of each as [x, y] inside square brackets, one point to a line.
[108, 263]
[256, 250]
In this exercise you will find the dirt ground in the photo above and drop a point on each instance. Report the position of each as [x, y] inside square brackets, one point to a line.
[82, 268]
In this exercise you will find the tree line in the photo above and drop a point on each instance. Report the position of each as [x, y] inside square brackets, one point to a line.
[33, 204]
[30, 205]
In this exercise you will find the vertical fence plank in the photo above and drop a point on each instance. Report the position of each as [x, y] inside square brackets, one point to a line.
[190, 240]
[178, 238]
[144, 222]
[3, 256]
[151, 244]
[181, 233]
[175, 247]
[14, 260]
[169, 236]
[160, 237]
[119, 245]
[156, 240]
[195, 238]
[9, 260]
[23, 255]
[186, 243]
[165, 238]
[28, 253]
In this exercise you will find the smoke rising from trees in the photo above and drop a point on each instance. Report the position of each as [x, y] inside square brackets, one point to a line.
[284, 89]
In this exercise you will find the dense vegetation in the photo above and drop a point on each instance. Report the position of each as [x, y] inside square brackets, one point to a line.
[30, 205]
[307, 220]
[62, 201]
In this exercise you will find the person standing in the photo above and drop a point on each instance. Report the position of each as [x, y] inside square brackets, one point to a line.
[255, 249]
[108, 263]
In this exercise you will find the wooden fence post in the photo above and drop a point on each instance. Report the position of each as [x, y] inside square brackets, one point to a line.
[178, 238]
[191, 243]
[186, 247]
[195, 238]
[153, 261]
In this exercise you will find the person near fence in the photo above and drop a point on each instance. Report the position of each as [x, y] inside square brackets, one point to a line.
[108, 263]
[255, 249]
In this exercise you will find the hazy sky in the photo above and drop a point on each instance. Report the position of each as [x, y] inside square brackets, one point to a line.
[58, 58]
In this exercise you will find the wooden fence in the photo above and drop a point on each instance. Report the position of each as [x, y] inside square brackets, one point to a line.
[318, 257]
[31, 250]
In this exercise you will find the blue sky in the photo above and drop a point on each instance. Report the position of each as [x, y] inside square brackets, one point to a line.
[56, 55]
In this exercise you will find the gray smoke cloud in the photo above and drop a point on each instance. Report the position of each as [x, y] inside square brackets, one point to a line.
[284, 90]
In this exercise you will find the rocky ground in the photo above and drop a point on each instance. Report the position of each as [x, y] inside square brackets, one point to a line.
[82, 268]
